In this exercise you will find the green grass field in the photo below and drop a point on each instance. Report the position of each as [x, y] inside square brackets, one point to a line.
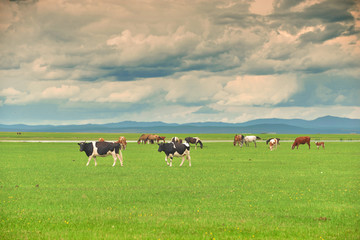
[47, 192]
[135, 136]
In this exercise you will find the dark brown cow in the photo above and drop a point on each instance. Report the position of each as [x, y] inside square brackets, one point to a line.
[161, 138]
[318, 144]
[194, 140]
[238, 139]
[301, 140]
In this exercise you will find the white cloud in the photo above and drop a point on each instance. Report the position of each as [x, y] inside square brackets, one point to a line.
[258, 90]
[305, 4]
[132, 48]
[10, 92]
[63, 92]
[262, 7]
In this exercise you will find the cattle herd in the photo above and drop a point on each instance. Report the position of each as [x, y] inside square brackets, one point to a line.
[175, 148]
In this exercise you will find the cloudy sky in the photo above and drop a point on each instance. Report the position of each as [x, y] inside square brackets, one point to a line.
[85, 61]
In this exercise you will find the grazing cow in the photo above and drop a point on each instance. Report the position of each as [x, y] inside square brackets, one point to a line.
[253, 139]
[176, 140]
[103, 149]
[122, 141]
[152, 138]
[101, 140]
[161, 138]
[194, 140]
[239, 139]
[143, 138]
[278, 140]
[301, 140]
[175, 149]
[273, 142]
[318, 144]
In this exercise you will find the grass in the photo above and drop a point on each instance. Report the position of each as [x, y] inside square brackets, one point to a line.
[46, 192]
[135, 136]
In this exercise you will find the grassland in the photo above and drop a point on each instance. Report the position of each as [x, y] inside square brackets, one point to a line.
[46, 192]
[43, 136]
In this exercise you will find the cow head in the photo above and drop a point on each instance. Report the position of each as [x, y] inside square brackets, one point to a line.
[82, 146]
[161, 147]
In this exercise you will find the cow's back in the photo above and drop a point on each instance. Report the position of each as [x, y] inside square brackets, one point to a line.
[181, 147]
[104, 147]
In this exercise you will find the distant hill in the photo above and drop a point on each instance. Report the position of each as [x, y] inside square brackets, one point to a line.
[327, 124]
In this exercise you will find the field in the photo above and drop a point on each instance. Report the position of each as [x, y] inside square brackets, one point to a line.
[47, 192]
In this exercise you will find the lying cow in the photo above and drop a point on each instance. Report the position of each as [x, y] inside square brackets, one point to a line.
[175, 150]
[102, 149]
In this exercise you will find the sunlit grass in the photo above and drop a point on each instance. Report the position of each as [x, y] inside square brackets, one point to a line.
[46, 191]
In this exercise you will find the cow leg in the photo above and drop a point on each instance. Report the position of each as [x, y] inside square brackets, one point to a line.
[95, 161]
[182, 160]
[171, 158]
[255, 143]
[309, 145]
[120, 157]
[166, 160]
[189, 158]
[115, 158]
[88, 161]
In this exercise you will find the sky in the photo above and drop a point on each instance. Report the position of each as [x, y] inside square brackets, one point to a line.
[178, 61]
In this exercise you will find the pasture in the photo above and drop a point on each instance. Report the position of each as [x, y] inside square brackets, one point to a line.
[47, 192]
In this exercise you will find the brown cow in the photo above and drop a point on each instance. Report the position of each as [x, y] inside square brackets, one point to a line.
[143, 138]
[301, 140]
[273, 142]
[161, 138]
[239, 139]
[318, 144]
[101, 140]
[152, 138]
[122, 141]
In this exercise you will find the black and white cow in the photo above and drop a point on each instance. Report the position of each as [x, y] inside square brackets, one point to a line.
[194, 140]
[175, 150]
[103, 149]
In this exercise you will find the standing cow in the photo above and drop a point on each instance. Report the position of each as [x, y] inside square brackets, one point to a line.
[194, 140]
[301, 140]
[320, 144]
[102, 149]
[273, 143]
[175, 149]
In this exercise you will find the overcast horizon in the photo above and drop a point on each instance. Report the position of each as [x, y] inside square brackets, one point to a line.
[77, 62]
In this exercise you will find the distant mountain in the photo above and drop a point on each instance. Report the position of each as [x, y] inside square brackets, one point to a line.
[327, 124]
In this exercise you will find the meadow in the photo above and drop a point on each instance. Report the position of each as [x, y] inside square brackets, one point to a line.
[47, 192]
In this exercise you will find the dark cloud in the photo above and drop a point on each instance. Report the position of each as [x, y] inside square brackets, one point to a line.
[206, 110]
